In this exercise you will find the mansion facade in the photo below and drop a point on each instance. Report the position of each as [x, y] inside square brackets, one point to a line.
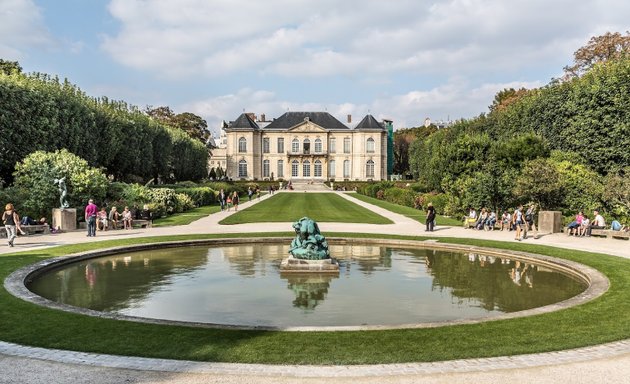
[302, 146]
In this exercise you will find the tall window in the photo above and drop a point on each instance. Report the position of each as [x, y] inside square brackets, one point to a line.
[346, 169]
[266, 168]
[242, 145]
[317, 170]
[318, 146]
[369, 169]
[332, 147]
[369, 146]
[346, 145]
[280, 168]
[295, 146]
[331, 168]
[306, 169]
[242, 168]
[307, 146]
[295, 167]
[266, 145]
[280, 144]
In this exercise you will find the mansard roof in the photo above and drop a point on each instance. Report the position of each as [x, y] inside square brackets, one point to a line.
[369, 122]
[291, 119]
[244, 121]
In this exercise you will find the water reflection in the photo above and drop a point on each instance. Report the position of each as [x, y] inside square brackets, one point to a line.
[309, 289]
[240, 285]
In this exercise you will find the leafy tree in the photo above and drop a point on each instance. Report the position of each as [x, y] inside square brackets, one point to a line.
[616, 194]
[10, 67]
[36, 175]
[609, 46]
[195, 126]
[540, 182]
[506, 97]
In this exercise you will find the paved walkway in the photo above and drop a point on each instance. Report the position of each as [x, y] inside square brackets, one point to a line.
[608, 363]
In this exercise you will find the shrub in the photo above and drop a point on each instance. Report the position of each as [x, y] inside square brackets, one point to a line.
[199, 195]
[183, 203]
[439, 200]
[36, 175]
[165, 196]
[400, 196]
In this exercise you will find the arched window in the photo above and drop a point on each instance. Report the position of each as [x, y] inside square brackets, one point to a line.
[242, 145]
[306, 169]
[295, 146]
[266, 169]
[307, 146]
[346, 169]
[295, 167]
[317, 170]
[318, 146]
[369, 145]
[369, 169]
[242, 168]
[331, 168]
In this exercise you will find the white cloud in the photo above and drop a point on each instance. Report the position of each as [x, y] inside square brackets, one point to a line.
[454, 99]
[324, 38]
[21, 26]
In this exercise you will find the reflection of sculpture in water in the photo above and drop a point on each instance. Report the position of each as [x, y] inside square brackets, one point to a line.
[309, 244]
[63, 192]
[309, 290]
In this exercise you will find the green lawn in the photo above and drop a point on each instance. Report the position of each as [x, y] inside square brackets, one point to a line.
[186, 217]
[604, 319]
[405, 211]
[321, 207]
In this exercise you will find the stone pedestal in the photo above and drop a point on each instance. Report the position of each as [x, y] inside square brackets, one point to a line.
[291, 264]
[64, 219]
[549, 222]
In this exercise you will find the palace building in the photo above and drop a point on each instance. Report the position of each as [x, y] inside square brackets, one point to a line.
[302, 146]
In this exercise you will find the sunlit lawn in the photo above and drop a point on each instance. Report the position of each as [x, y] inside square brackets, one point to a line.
[186, 217]
[405, 211]
[289, 207]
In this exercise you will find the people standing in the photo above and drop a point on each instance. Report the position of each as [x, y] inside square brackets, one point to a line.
[90, 217]
[222, 199]
[250, 193]
[519, 221]
[235, 200]
[430, 221]
[11, 221]
[530, 220]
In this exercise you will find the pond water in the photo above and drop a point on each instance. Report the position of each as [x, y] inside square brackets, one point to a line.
[243, 285]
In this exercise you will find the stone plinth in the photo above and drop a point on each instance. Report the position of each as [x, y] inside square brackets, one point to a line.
[549, 222]
[291, 264]
[64, 219]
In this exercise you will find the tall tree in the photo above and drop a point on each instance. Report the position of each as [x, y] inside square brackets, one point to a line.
[9, 67]
[600, 48]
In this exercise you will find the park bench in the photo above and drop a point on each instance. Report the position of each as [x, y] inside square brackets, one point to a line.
[609, 233]
[29, 229]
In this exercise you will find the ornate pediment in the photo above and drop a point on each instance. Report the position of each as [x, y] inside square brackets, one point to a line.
[307, 127]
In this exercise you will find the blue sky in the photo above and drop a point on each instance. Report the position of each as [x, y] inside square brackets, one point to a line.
[402, 60]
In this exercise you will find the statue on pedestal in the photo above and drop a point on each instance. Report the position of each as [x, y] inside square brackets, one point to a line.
[63, 192]
[309, 244]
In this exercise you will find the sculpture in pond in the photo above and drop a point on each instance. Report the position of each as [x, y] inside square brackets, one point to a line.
[309, 244]
[63, 192]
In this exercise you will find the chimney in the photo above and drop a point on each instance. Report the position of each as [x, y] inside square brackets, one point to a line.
[262, 117]
[349, 119]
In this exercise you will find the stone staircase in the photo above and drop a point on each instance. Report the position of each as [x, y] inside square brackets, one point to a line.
[311, 186]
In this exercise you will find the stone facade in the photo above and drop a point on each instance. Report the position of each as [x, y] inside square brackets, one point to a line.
[302, 146]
